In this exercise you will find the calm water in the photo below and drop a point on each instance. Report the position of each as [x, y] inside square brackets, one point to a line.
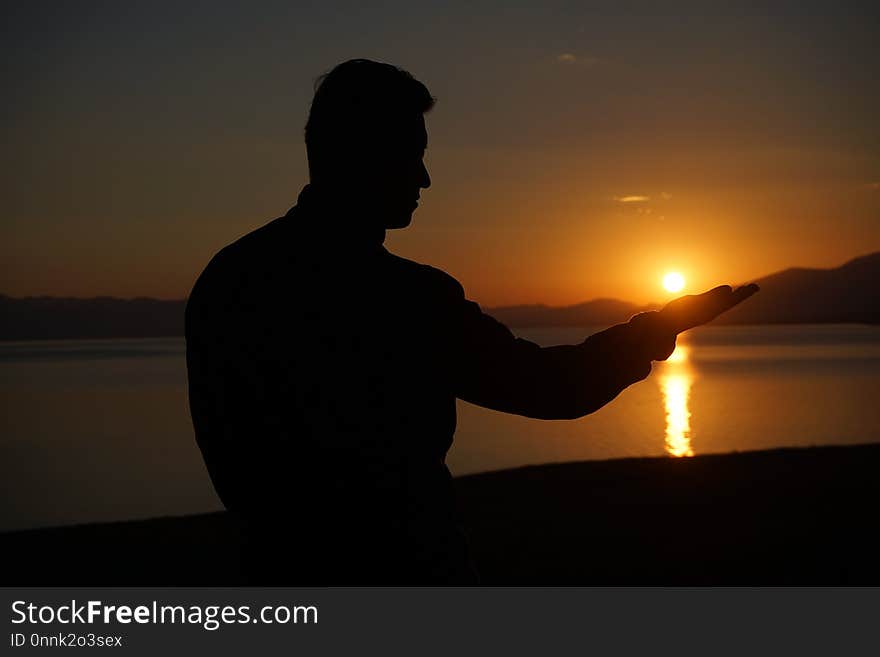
[99, 430]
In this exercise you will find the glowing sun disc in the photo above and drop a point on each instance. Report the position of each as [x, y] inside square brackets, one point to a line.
[673, 282]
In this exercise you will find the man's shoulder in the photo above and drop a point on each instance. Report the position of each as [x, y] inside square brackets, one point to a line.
[426, 275]
[254, 247]
[229, 267]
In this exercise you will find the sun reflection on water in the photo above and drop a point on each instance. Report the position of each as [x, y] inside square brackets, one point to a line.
[675, 384]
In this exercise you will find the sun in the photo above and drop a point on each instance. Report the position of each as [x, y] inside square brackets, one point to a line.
[673, 282]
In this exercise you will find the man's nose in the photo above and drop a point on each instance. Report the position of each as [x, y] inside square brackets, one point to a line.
[426, 179]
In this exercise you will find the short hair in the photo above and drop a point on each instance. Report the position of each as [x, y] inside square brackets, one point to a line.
[354, 104]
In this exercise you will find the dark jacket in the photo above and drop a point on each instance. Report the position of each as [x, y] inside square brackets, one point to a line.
[323, 376]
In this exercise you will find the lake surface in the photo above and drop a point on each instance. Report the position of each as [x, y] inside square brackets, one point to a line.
[97, 430]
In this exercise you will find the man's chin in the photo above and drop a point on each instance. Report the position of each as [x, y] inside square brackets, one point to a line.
[399, 221]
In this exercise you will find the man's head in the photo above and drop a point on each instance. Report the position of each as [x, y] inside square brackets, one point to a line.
[366, 138]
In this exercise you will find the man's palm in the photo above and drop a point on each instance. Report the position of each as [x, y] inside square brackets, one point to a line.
[693, 310]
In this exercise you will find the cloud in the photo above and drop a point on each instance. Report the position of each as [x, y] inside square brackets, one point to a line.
[571, 59]
[875, 186]
[642, 198]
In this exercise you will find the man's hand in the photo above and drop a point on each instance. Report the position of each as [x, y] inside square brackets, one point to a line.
[693, 310]
[659, 329]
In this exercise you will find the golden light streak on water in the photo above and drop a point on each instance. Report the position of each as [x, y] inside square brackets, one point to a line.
[675, 384]
[680, 355]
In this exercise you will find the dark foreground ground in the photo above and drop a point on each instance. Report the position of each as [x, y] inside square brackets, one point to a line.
[790, 516]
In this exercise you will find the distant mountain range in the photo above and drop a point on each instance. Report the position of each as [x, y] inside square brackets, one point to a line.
[849, 293]
[846, 294]
[45, 318]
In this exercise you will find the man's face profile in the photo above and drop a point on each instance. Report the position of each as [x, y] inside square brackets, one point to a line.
[394, 172]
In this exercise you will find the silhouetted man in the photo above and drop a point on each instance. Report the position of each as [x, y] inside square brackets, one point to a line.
[323, 370]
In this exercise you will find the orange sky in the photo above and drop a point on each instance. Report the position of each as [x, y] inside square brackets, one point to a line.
[574, 154]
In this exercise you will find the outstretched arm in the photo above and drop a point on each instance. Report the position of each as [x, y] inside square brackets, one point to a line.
[492, 368]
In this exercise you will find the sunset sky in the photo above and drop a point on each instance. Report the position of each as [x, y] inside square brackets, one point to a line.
[575, 152]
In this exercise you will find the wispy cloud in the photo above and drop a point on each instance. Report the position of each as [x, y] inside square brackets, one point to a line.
[571, 59]
[642, 198]
[875, 186]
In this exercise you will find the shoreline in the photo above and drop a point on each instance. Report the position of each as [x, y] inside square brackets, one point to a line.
[789, 516]
[548, 327]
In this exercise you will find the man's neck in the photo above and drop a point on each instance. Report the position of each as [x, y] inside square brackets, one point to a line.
[338, 212]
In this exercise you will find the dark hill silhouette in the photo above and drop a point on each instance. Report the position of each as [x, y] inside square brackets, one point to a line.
[47, 318]
[848, 293]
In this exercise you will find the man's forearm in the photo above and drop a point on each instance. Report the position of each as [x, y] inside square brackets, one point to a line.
[567, 381]
[602, 366]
